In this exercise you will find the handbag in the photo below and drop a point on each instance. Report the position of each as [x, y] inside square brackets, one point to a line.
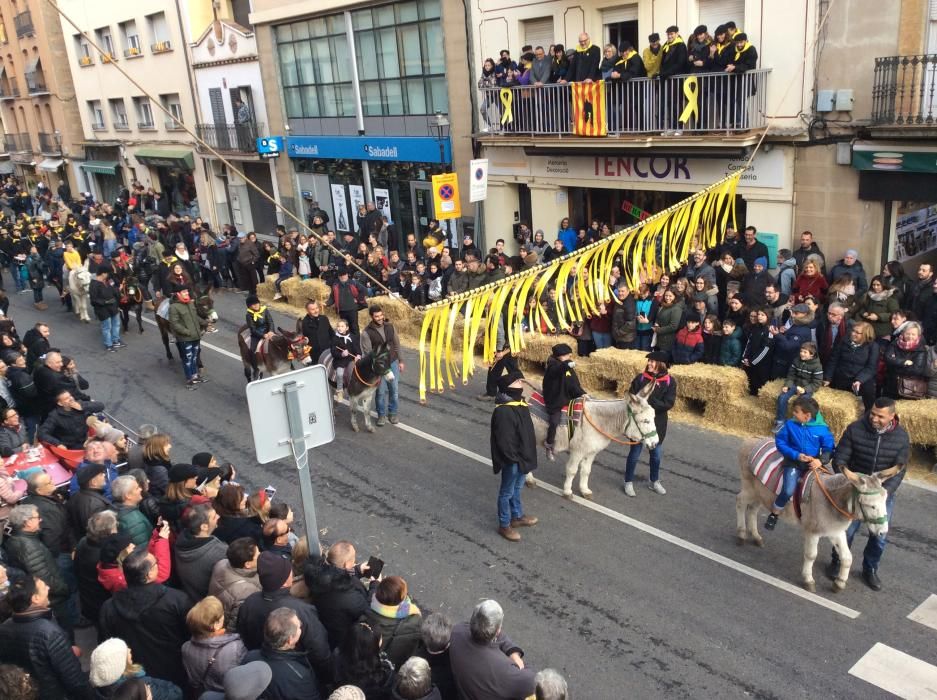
[912, 388]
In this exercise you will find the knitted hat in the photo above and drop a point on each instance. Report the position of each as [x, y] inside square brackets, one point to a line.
[88, 472]
[182, 472]
[505, 381]
[561, 349]
[763, 261]
[653, 38]
[108, 662]
[347, 692]
[247, 682]
[202, 459]
[272, 570]
[852, 253]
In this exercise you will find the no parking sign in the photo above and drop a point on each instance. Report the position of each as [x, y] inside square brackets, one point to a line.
[446, 196]
[478, 180]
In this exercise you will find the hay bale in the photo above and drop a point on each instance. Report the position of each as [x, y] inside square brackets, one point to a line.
[919, 418]
[739, 414]
[839, 408]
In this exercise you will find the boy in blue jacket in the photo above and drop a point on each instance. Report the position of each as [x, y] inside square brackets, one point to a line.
[806, 443]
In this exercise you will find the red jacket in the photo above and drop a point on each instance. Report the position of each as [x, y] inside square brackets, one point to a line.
[111, 577]
[805, 286]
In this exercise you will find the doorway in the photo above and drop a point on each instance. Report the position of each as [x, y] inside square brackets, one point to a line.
[421, 198]
[621, 24]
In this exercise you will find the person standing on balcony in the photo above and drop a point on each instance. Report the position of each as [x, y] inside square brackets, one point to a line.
[651, 56]
[700, 60]
[673, 63]
[628, 66]
[541, 68]
[721, 51]
[585, 66]
[744, 59]
[505, 69]
[244, 124]
[559, 65]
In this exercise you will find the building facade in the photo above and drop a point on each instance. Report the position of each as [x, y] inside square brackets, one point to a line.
[43, 135]
[370, 100]
[126, 136]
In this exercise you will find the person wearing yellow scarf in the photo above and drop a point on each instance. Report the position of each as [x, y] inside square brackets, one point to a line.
[584, 65]
[673, 62]
[260, 326]
[745, 59]
[651, 55]
[629, 66]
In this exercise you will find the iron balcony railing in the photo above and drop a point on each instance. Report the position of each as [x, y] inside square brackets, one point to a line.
[23, 23]
[50, 144]
[236, 138]
[17, 143]
[903, 91]
[723, 103]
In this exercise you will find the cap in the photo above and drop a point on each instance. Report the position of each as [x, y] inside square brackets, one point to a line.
[625, 46]
[88, 472]
[272, 570]
[561, 349]
[252, 299]
[182, 472]
[741, 36]
[658, 356]
[113, 545]
[702, 29]
[800, 309]
[653, 37]
[247, 682]
[721, 29]
[506, 380]
[206, 475]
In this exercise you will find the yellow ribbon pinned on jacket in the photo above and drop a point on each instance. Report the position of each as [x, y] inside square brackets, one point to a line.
[691, 92]
[507, 99]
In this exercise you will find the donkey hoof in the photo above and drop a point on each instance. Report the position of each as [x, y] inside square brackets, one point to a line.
[758, 542]
[567, 496]
[810, 586]
[588, 496]
[740, 540]
[839, 585]
[354, 427]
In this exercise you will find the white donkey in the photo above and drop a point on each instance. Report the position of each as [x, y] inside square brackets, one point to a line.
[79, 287]
[851, 497]
[628, 420]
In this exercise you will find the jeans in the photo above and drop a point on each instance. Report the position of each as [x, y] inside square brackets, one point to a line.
[643, 340]
[18, 277]
[385, 401]
[108, 246]
[110, 330]
[32, 424]
[634, 453]
[37, 295]
[188, 351]
[875, 547]
[783, 399]
[509, 495]
[601, 340]
[791, 475]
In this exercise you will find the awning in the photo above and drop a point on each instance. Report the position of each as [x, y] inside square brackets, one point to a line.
[889, 157]
[51, 164]
[104, 167]
[166, 158]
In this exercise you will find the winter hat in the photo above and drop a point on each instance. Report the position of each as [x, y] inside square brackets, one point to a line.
[505, 381]
[347, 692]
[247, 682]
[113, 545]
[182, 472]
[721, 29]
[852, 253]
[202, 459]
[272, 570]
[561, 349]
[653, 37]
[800, 309]
[206, 476]
[763, 261]
[88, 472]
[702, 29]
[108, 662]
[658, 356]
[251, 300]
[741, 36]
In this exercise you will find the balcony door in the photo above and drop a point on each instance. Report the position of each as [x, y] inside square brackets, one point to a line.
[621, 24]
[216, 99]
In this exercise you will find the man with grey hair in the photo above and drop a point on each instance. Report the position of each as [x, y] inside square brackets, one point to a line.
[127, 495]
[91, 593]
[486, 664]
[197, 550]
[550, 685]
[832, 331]
[415, 681]
[293, 676]
[436, 632]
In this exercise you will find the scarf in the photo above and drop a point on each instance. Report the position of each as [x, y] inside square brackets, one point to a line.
[657, 379]
[580, 49]
[882, 295]
[738, 53]
[627, 57]
[184, 257]
[905, 345]
[346, 338]
[669, 44]
[257, 315]
[395, 612]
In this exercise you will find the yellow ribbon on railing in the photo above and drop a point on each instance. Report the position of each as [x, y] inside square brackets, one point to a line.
[691, 91]
[507, 98]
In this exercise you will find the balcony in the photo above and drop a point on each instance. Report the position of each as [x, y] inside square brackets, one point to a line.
[132, 52]
[726, 104]
[98, 126]
[903, 92]
[9, 92]
[36, 83]
[231, 138]
[161, 46]
[50, 144]
[85, 61]
[23, 23]
[17, 143]
[146, 125]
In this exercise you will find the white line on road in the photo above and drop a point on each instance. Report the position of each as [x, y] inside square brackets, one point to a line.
[631, 522]
[926, 613]
[896, 672]
[227, 353]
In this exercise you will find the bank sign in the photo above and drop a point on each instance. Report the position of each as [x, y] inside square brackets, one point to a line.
[766, 170]
[412, 149]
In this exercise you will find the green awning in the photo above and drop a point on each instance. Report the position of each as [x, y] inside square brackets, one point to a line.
[166, 158]
[888, 157]
[104, 167]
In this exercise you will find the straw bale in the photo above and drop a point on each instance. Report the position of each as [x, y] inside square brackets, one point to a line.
[919, 418]
[839, 408]
[297, 291]
[739, 414]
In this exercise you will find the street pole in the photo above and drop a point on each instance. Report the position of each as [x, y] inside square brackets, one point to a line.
[301, 455]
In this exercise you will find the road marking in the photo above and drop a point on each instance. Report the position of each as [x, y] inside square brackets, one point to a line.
[926, 613]
[228, 353]
[636, 524]
[896, 672]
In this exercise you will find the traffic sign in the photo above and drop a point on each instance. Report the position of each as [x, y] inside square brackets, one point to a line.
[478, 180]
[446, 196]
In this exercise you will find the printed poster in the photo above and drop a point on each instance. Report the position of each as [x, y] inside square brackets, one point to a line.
[357, 198]
[340, 208]
[915, 229]
[382, 203]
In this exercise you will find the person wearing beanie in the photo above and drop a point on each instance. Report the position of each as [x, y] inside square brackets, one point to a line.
[560, 386]
[850, 266]
[651, 56]
[744, 59]
[513, 453]
[504, 361]
[756, 282]
[275, 574]
[627, 112]
[90, 498]
[348, 692]
[112, 665]
[789, 337]
[662, 399]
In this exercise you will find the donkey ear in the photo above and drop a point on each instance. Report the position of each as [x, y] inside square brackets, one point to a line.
[850, 475]
[284, 333]
[887, 474]
[645, 391]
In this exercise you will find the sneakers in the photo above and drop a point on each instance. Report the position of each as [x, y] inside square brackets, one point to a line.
[119, 344]
[524, 521]
[111, 349]
[191, 385]
[657, 488]
[551, 455]
[381, 420]
[771, 522]
[871, 579]
[778, 424]
[509, 533]
[199, 380]
[277, 296]
[393, 419]
[629, 489]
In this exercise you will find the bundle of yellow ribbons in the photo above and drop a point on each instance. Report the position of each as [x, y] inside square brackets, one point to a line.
[660, 242]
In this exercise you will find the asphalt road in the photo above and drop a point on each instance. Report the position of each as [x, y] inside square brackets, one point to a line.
[647, 597]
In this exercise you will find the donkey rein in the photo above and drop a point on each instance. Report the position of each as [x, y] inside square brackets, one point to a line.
[817, 471]
[585, 415]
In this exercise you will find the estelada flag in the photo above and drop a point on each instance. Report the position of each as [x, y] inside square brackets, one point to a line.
[589, 117]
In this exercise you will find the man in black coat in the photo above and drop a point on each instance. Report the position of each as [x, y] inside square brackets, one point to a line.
[560, 386]
[25, 393]
[32, 640]
[87, 555]
[150, 617]
[807, 248]
[275, 574]
[89, 499]
[743, 59]
[66, 424]
[50, 381]
[317, 329]
[291, 673]
[104, 299]
[513, 453]
[334, 582]
[751, 248]
[873, 443]
[584, 67]
[673, 62]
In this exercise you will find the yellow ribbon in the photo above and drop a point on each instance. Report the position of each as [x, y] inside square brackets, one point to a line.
[507, 98]
[691, 91]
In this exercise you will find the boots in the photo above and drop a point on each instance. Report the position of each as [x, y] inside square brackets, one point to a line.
[509, 533]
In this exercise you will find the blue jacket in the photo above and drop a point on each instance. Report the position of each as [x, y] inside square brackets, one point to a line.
[568, 236]
[813, 439]
[109, 476]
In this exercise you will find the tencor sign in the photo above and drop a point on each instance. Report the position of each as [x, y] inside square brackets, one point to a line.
[766, 170]
[413, 149]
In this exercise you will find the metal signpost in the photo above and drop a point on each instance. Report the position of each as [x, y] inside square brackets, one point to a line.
[290, 414]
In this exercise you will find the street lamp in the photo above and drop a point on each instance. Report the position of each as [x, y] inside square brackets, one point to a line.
[439, 127]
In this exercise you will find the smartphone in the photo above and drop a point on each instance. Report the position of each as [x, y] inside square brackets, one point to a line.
[375, 566]
[271, 492]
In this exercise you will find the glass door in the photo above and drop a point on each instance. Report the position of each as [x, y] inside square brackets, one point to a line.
[421, 197]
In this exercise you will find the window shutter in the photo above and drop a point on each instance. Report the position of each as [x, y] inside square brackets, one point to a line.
[539, 32]
[712, 13]
[614, 15]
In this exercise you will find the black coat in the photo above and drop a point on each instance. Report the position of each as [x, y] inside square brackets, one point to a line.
[33, 641]
[151, 619]
[231, 528]
[319, 332]
[895, 366]
[56, 531]
[750, 255]
[90, 592]
[104, 299]
[25, 393]
[26, 551]
[673, 59]
[852, 363]
[627, 69]
[340, 597]
[513, 440]
[441, 671]
[82, 506]
[866, 451]
[68, 427]
[585, 65]
[291, 675]
[661, 399]
[49, 383]
[560, 385]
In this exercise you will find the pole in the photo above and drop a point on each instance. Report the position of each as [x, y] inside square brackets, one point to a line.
[301, 455]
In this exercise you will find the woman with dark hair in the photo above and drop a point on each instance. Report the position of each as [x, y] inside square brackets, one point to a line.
[234, 521]
[756, 358]
[854, 363]
[894, 276]
[182, 482]
[359, 661]
[398, 619]
[876, 307]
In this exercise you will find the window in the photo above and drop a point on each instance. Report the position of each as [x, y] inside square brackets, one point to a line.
[932, 28]
[97, 115]
[712, 13]
[119, 114]
[130, 39]
[313, 66]
[620, 24]
[174, 106]
[144, 113]
[159, 32]
[105, 40]
[538, 32]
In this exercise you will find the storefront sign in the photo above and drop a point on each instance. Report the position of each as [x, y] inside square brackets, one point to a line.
[446, 196]
[478, 180]
[885, 158]
[766, 170]
[269, 146]
[413, 149]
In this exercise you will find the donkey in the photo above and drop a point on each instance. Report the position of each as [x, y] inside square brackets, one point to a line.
[276, 356]
[131, 299]
[79, 286]
[851, 497]
[362, 379]
[631, 417]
